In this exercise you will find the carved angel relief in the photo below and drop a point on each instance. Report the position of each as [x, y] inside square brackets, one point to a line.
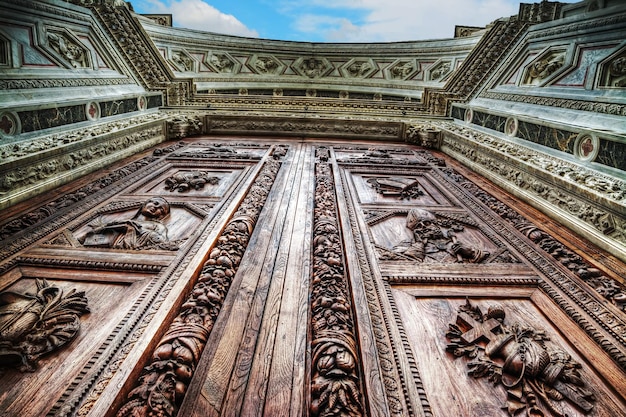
[32, 325]
[396, 187]
[516, 356]
[191, 180]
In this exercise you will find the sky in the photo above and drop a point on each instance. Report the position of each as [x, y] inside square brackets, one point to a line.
[332, 20]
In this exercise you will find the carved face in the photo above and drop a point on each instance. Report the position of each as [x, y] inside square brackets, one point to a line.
[156, 208]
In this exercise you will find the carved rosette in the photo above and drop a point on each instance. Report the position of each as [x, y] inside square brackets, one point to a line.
[162, 386]
[335, 386]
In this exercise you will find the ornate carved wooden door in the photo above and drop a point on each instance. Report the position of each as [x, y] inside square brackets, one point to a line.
[219, 277]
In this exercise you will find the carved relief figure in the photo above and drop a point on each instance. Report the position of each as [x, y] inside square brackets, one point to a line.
[265, 65]
[185, 181]
[183, 61]
[222, 63]
[517, 357]
[32, 325]
[440, 71]
[401, 70]
[398, 187]
[435, 240]
[543, 68]
[312, 67]
[617, 72]
[359, 69]
[68, 49]
[144, 231]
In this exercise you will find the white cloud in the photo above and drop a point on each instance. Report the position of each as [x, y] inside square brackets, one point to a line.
[196, 14]
[401, 20]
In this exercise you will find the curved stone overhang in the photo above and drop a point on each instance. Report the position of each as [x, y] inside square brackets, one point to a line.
[237, 72]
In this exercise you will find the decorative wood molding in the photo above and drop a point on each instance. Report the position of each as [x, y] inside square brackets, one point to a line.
[336, 386]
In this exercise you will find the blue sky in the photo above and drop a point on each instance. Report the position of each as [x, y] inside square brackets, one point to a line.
[332, 20]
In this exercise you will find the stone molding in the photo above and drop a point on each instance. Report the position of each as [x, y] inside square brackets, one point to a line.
[589, 202]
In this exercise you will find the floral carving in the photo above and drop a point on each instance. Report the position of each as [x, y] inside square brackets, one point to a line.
[335, 389]
[33, 325]
[163, 383]
[517, 356]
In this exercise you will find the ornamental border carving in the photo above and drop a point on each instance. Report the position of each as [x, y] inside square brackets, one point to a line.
[191, 327]
[583, 105]
[7, 84]
[550, 164]
[336, 369]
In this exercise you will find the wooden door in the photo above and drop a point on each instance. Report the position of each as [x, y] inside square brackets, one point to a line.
[258, 277]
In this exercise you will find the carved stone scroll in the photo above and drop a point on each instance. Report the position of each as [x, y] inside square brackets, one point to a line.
[535, 376]
[162, 386]
[335, 385]
[33, 325]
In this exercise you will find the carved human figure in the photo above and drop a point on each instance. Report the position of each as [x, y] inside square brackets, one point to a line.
[144, 231]
[544, 67]
[434, 242]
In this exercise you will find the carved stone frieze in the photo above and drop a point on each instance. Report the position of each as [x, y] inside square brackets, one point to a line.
[517, 356]
[48, 142]
[599, 216]
[468, 78]
[139, 51]
[335, 375]
[30, 175]
[604, 186]
[163, 383]
[33, 325]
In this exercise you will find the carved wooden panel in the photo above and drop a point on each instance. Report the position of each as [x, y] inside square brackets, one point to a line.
[283, 277]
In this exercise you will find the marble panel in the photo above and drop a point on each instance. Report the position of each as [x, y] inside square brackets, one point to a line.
[559, 139]
[33, 120]
[612, 154]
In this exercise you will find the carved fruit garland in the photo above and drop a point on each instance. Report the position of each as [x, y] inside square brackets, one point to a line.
[163, 383]
[335, 387]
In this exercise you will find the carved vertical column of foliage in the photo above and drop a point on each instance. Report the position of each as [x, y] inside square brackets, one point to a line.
[163, 383]
[335, 386]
